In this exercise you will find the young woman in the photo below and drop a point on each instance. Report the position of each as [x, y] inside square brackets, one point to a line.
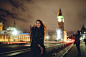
[37, 44]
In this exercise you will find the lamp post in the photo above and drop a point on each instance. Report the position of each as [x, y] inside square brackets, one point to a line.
[47, 37]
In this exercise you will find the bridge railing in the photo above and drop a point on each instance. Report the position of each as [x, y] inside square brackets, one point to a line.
[59, 51]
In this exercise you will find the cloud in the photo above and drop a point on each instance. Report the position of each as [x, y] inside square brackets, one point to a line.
[11, 14]
[26, 12]
[15, 3]
[7, 12]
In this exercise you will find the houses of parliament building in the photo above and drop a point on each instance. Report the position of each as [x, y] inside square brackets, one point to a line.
[11, 34]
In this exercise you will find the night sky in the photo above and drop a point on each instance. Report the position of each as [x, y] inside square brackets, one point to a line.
[26, 12]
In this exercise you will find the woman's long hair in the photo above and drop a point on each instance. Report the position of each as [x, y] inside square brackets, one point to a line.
[42, 26]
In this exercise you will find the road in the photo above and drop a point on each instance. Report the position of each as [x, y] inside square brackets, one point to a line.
[24, 49]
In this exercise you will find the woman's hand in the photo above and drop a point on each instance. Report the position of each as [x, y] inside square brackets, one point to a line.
[39, 45]
[41, 48]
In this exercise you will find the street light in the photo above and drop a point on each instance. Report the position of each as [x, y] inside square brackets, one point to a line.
[47, 37]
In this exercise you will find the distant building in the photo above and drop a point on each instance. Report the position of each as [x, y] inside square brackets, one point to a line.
[1, 26]
[11, 34]
[60, 20]
[12, 38]
[83, 32]
[61, 33]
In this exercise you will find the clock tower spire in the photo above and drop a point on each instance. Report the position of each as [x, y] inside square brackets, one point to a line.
[60, 20]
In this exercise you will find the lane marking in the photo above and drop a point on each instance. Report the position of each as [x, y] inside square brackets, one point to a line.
[17, 50]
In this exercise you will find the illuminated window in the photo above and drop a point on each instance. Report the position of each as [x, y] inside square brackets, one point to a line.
[84, 32]
[0, 23]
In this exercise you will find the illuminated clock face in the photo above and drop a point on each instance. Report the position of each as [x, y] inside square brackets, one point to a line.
[0, 23]
[60, 18]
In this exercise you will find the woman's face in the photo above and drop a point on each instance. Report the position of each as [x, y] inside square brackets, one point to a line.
[38, 24]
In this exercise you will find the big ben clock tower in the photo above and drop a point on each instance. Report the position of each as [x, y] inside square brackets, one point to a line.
[60, 20]
[60, 26]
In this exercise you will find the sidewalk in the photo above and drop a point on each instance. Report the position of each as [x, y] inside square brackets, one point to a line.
[73, 51]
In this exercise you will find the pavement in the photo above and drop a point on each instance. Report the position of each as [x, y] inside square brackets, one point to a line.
[73, 51]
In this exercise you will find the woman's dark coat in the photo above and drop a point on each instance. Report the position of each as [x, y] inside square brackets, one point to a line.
[37, 35]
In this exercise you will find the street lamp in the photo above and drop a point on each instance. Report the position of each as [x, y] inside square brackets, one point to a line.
[47, 37]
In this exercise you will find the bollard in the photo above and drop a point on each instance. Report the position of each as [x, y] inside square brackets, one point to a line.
[58, 49]
[54, 54]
